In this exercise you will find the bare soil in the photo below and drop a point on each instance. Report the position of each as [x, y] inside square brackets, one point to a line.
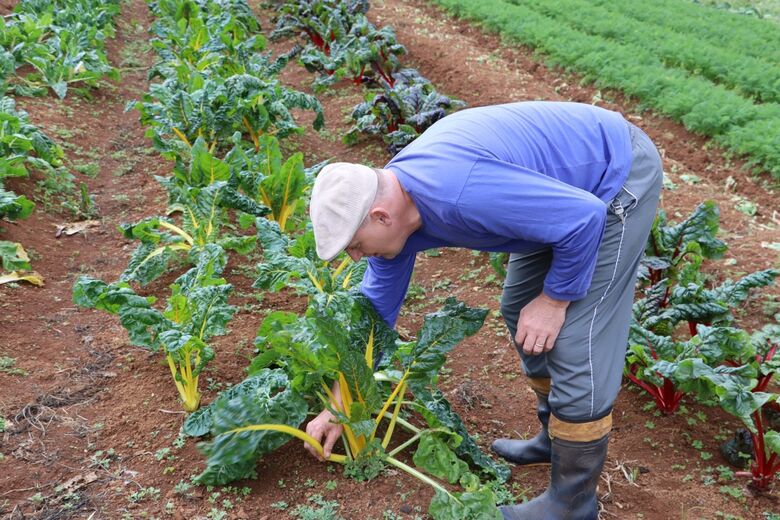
[90, 423]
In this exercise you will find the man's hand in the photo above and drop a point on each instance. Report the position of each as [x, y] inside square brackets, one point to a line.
[326, 431]
[539, 324]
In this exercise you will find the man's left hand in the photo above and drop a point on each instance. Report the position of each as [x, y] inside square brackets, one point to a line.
[539, 324]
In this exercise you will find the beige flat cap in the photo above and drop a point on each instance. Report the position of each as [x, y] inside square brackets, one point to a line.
[340, 200]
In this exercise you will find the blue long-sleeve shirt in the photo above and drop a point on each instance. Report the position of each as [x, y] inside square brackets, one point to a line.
[512, 178]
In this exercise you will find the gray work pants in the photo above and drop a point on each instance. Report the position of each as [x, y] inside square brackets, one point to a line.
[586, 364]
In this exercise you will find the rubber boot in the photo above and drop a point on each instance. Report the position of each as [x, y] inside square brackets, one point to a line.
[575, 471]
[532, 451]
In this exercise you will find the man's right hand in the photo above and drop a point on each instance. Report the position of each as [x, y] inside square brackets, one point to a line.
[325, 430]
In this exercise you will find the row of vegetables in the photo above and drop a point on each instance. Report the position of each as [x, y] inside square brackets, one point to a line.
[218, 112]
[684, 340]
[44, 46]
[650, 55]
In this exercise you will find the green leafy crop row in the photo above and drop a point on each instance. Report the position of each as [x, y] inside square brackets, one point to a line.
[752, 37]
[704, 107]
[751, 77]
[219, 113]
[43, 45]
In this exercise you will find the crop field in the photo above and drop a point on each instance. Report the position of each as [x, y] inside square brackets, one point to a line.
[167, 329]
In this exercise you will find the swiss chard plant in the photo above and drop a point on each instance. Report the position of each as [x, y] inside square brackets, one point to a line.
[196, 311]
[320, 21]
[215, 82]
[294, 263]
[671, 245]
[22, 146]
[215, 107]
[364, 55]
[381, 380]
[679, 293]
[201, 195]
[401, 112]
[741, 385]
[263, 175]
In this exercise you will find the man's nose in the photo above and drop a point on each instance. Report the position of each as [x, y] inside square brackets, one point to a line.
[354, 254]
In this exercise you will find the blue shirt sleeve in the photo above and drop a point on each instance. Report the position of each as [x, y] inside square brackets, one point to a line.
[385, 284]
[508, 200]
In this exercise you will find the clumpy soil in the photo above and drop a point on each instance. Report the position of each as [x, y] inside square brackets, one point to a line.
[92, 422]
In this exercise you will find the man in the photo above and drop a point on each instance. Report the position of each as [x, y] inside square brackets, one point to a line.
[570, 190]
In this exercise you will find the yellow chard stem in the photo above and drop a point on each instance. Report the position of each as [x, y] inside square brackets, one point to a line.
[370, 349]
[351, 444]
[316, 282]
[347, 278]
[422, 476]
[403, 422]
[189, 401]
[389, 402]
[391, 426]
[289, 430]
[181, 136]
[344, 263]
[252, 134]
[357, 442]
[179, 231]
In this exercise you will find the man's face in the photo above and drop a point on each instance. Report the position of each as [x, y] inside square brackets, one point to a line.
[379, 237]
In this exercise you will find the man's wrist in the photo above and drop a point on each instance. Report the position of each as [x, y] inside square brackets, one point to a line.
[554, 301]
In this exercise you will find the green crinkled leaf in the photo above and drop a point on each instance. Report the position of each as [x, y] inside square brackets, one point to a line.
[198, 423]
[441, 331]
[135, 312]
[283, 187]
[265, 398]
[271, 237]
[720, 344]
[435, 456]
[242, 245]
[230, 198]
[290, 341]
[471, 505]
[205, 168]
[735, 293]
[13, 257]
[273, 330]
[438, 412]
[13, 206]
[148, 262]
[701, 227]
[772, 442]
[210, 310]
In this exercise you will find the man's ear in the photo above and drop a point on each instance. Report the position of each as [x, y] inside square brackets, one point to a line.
[381, 215]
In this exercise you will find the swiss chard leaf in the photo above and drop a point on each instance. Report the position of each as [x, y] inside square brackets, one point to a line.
[265, 398]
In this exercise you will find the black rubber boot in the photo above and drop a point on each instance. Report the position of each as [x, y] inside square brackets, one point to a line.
[575, 471]
[532, 451]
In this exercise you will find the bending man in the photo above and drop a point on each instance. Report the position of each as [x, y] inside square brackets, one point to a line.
[570, 190]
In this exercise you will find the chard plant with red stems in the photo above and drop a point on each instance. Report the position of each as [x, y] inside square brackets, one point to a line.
[401, 112]
[741, 385]
[366, 55]
[320, 22]
[340, 42]
[679, 293]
